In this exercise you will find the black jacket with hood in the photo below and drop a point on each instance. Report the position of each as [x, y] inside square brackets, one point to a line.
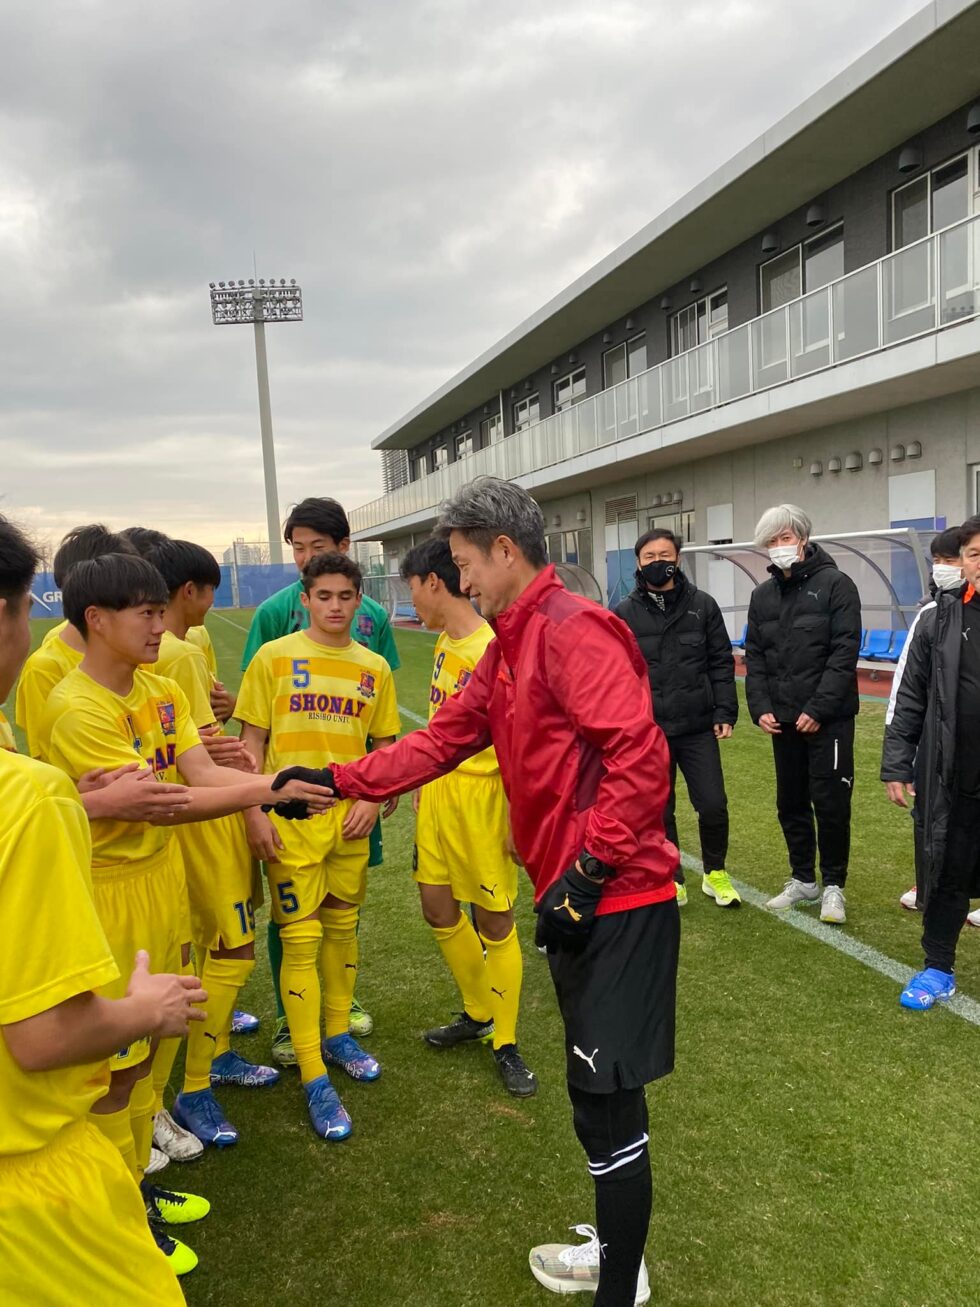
[688, 653]
[920, 725]
[802, 644]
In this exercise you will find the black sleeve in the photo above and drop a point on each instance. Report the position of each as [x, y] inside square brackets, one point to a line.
[721, 666]
[757, 692]
[907, 704]
[836, 683]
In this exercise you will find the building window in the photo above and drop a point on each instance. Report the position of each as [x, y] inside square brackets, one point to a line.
[570, 390]
[464, 445]
[526, 412]
[931, 202]
[681, 524]
[491, 430]
[823, 259]
[417, 467]
[805, 267]
[699, 322]
[623, 361]
[571, 547]
[781, 280]
[975, 479]
[440, 457]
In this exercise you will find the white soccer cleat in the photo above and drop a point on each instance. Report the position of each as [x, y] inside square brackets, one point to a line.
[178, 1144]
[158, 1160]
[908, 901]
[832, 907]
[794, 891]
[973, 918]
[574, 1268]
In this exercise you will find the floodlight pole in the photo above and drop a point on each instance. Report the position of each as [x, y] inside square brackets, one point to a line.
[236, 303]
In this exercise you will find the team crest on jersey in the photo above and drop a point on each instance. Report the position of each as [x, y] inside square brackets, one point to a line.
[463, 679]
[367, 683]
[168, 718]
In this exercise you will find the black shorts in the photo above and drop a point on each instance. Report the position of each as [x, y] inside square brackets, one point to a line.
[617, 999]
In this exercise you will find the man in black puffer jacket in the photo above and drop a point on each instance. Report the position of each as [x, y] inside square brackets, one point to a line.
[682, 636]
[801, 653]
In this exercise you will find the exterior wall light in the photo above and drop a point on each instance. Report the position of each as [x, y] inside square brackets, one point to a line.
[666, 303]
[607, 337]
[973, 120]
[909, 159]
[914, 450]
[897, 454]
[695, 287]
[833, 464]
[770, 243]
[815, 215]
[656, 501]
[573, 357]
[529, 385]
[555, 369]
[816, 469]
[556, 520]
[678, 496]
[580, 516]
[875, 458]
[854, 462]
[628, 324]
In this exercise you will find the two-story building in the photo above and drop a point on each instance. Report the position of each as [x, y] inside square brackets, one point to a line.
[804, 325]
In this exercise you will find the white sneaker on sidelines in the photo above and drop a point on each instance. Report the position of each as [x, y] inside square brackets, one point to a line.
[178, 1144]
[158, 1160]
[973, 918]
[574, 1268]
[908, 901]
[793, 892]
[832, 907]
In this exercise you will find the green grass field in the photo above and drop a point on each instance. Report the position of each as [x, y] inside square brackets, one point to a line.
[814, 1145]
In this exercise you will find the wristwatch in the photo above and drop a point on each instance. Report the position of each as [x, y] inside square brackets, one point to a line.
[593, 868]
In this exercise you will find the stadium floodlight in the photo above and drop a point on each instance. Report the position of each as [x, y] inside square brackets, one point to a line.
[235, 304]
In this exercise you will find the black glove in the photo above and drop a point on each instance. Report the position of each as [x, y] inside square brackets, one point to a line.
[298, 809]
[566, 912]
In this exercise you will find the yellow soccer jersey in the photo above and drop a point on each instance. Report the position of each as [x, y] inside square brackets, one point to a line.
[452, 667]
[319, 704]
[198, 635]
[87, 726]
[54, 945]
[6, 735]
[46, 668]
[185, 662]
[53, 632]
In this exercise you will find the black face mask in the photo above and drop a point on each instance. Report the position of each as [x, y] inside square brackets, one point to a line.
[658, 573]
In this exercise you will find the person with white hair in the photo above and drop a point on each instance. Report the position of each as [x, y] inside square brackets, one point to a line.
[801, 650]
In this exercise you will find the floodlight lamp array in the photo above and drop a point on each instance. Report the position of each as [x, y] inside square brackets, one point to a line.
[269, 301]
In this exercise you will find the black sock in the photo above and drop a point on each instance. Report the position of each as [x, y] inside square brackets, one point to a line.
[622, 1218]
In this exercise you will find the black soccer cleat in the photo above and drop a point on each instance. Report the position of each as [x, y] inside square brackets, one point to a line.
[462, 1030]
[518, 1079]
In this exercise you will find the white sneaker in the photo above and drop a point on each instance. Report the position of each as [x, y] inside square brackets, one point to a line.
[574, 1268]
[158, 1160]
[178, 1144]
[795, 891]
[973, 918]
[908, 901]
[832, 907]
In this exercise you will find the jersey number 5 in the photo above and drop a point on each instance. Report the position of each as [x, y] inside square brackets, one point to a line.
[301, 673]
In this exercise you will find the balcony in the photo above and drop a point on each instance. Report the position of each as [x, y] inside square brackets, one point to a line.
[919, 290]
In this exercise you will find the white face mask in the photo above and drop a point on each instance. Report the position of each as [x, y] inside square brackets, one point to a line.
[785, 556]
[947, 576]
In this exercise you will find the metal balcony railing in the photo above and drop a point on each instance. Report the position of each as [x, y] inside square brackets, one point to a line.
[923, 288]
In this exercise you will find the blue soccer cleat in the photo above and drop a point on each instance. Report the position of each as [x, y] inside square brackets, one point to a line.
[200, 1113]
[344, 1051]
[927, 988]
[232, 1069]
[330, 1118]
[243, 1023]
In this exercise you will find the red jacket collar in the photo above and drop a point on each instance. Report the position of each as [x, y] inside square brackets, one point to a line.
[510, 625]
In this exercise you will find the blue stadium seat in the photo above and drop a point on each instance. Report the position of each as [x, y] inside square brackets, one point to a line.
[898, 644]
[740, 644]
[877, 644]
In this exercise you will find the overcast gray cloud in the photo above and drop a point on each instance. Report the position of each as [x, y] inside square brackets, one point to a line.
[429, 170]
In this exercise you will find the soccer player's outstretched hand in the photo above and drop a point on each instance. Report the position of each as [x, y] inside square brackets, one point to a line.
[566, 912]
[171, 1002]
[304, 790]
[132, 794]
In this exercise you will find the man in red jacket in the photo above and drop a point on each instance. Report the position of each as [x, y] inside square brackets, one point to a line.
[563, 696]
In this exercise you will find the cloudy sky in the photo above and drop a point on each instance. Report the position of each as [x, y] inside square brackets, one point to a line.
[430, 171]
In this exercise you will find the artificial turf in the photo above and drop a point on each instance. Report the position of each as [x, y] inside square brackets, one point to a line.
[813, 1146]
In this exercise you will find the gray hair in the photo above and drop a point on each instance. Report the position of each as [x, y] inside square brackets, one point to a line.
[784, 517]
[488, 507]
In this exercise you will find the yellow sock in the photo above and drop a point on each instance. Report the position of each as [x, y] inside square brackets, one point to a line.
[141, 1112]
[118, 1129]
[505, 972]
[222, 979]
[300, 982]
[463, 952]
[166, 1054]
[338, 967]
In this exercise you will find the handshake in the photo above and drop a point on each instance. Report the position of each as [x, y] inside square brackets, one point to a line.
[299, 809]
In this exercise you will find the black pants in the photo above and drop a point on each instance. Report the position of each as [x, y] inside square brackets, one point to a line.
[959, 881]
[815, 779]
[699, 759]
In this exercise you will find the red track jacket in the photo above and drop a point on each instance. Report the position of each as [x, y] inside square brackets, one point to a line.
[564, 696]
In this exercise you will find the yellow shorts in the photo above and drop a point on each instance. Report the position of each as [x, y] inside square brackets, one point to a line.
[73, 1229]
[223, 882]
[461, 840]
[316, 861]
[141, 905]
[180, 874]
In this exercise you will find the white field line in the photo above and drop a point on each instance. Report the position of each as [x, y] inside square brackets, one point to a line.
[237, 625]
[959, 1005]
